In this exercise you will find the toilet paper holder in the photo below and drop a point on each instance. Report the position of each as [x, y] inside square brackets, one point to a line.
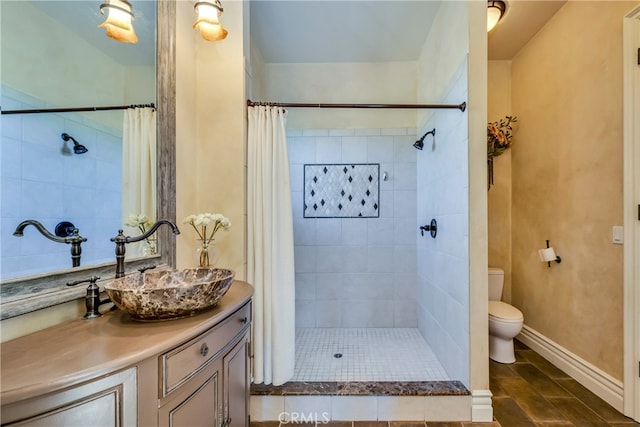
[548, 255]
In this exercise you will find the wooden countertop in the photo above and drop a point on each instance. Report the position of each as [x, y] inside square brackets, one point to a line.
[80, 350]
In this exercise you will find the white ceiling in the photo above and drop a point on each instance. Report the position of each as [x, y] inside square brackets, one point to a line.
[340, 31]
[292, 31]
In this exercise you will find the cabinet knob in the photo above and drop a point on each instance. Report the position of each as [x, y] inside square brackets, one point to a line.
[243, 320]
[204, 349]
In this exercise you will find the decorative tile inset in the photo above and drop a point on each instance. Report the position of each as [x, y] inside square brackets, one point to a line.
[342, 191]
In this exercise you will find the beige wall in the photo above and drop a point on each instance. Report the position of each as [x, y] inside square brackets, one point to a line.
[567, 180]
[18, 326]
[478, 302]
[211, 130]
[186, 132]
[499, 196]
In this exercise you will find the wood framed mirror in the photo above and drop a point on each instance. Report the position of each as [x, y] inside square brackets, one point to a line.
[22, 295]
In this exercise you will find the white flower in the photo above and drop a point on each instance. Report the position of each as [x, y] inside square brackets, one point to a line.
[207, 224]
[137, 220]
[190, 219]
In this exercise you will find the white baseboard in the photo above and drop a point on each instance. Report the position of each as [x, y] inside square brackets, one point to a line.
[481, 409]
[594, 379]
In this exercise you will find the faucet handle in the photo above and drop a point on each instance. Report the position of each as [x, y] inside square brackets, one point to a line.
[76, 237]
[120, 238]
[432, 228]
[64, 229]
[145, 268]
[91, 280]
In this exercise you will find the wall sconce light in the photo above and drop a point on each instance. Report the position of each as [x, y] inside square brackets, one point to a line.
[118, 22]
[495, 11]
[548, 255]
[208, 21]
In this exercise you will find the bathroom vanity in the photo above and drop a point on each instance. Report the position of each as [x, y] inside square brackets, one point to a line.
[114, 371]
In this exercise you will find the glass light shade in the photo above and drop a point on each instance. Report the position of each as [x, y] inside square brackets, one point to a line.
[208, 22]
[495, 11]
[118, 21]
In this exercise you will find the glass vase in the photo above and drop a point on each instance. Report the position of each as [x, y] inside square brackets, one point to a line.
[203, 255]
[148, 247]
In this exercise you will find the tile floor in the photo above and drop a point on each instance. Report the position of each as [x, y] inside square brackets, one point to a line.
[534, 393]
[364, 354]
[529, 393]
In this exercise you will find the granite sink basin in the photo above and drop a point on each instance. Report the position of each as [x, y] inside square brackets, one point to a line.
[169, 294]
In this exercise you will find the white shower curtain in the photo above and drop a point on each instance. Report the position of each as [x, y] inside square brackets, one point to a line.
[270, 264]
[139, 162]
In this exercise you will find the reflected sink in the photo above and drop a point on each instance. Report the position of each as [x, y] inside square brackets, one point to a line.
[169, 294]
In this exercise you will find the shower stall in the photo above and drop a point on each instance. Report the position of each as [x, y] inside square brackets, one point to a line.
[357, 309]
[376, 299]
[355, 271]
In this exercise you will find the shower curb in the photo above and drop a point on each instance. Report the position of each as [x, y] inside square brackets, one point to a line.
[362, 388]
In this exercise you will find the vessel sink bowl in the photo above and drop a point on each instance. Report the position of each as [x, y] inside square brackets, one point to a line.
[169, 294]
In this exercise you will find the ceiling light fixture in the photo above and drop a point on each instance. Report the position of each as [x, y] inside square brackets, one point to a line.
[208, 22]
[495, 11]
[118, 22]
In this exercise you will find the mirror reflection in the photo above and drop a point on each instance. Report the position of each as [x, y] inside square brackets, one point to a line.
[66, 171]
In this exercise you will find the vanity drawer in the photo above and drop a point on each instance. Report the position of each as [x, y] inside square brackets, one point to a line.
[182, 363]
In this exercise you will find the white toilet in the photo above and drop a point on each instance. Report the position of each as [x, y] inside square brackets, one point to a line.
[505, 321]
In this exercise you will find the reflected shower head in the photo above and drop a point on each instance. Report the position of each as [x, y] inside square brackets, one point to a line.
[419, 144]
[77, 147]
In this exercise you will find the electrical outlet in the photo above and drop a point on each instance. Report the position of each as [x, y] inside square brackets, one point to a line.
[617, 235]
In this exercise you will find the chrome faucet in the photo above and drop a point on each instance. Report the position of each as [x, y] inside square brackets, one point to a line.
[120, 240]
[69, 236]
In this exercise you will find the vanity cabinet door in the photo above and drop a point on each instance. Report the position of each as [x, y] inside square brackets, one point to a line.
[197, 403]
[236, 385]
[107, 402]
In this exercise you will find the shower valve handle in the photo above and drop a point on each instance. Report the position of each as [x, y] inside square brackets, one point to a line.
[432, 228]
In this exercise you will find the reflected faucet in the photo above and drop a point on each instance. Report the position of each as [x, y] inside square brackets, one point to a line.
[72, 238]
[120, 240]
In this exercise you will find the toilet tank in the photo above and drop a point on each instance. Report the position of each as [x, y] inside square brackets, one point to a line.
[496, 280]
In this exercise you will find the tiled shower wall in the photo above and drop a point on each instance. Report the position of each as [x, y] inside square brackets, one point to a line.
[357, 272]
[40, 182]
[443, 262]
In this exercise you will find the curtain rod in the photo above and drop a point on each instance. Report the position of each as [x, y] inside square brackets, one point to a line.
[72, 110]
[460, 107]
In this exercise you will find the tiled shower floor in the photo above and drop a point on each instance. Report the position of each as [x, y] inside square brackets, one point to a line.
[367, 354]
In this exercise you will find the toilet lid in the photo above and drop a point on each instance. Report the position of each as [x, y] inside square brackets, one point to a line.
[504, 312]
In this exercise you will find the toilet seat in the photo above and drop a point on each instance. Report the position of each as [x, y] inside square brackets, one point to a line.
[503, 312]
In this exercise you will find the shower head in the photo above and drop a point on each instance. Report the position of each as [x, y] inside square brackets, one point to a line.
[419, 144]
[77, 147]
